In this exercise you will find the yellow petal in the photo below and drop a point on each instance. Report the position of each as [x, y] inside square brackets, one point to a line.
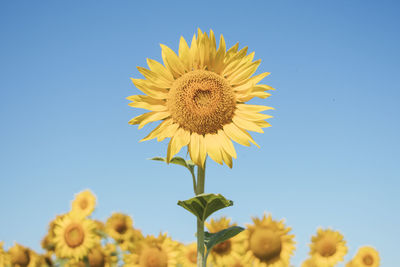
[202, 150]
[262, 124]
[169, 131]
[180, 139]
[227, 158]
[195, 53]
[157, 67]
[244, 63]
[160, 128]
[184, 54]
[227, 143]
[172, 61]
[149, 89]
[219, 57]
[236, 134]
[194, 148]
[252, 108]
[255, 79]
[252, 115]
[245, 74]
[213, 148]
[155, 78]
[147, 102]
[231, 51]
[246, 124]
[149, 117]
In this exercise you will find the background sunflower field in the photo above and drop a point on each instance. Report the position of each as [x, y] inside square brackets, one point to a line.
[330, 159]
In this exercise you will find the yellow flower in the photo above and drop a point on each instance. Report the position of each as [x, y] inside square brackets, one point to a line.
[239, 261]
[154, 252]
[222, 252]
[188, 255]
[83, 204]
[22, 256]
[74, 237]
[48, 241]
[118, 226]
[199, 96]
[131, 240]
[327, 247]
[268, 242]
[365, 257]
[309, 263]
[4, 257]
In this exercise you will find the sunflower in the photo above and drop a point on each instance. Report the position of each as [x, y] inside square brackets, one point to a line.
[131, 240]
[118, 226]
[268, 242]
[21, 256]
[48, 241]
[74, 237]
[199, 96]
[227, 249]
[188, 256]
[309, 263]
[365, 257]
[4, 257]
[154, 252]
[327, 247]
[83, 204]
[239, 261]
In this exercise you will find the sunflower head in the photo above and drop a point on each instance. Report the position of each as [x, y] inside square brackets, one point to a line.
[118, 226]
[4, 256]
[188, 256]
[154, 251]
[328, 247]
[83, 204]
[366, 257]
[74, 237]
[268, 242]
[22, 256]
[199, 96]
[131, 240]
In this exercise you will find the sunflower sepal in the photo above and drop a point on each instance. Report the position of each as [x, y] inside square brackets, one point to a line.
[203, 205]
[213, 239]
[188, 164]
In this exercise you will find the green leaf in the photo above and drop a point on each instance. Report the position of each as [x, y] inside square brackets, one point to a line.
[178, 161]
[204, 205]
[212, 239]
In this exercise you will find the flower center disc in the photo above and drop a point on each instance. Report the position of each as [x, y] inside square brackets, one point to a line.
[96, 258]
[120, 227]
[223, 247]
[265, 244]
[201, 101]
[326, 248]
[21, 258]
[192, 256]
[83, 203]
[74, 235]
[368, 260]
[153, 257]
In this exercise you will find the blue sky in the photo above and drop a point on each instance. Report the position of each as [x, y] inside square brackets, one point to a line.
[330, 158]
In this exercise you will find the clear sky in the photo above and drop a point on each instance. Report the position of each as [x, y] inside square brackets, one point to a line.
[330, 159]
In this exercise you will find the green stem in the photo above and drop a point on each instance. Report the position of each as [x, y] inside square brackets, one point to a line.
[201, 173]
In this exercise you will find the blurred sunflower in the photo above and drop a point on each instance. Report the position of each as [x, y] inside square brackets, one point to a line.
[309, 263]
[83, 204]
[239, 261]
[188, 255]
[154, 252]
[4, 256]
[365, 257]
[21, 256]
[268, 242]
[118, 226]
[199, 98]
[48, 240]
[227, 249]
[73, 237]
[327, 247]
[131, 240]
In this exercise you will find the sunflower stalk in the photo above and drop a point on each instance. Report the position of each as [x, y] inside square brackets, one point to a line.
[201, 173]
